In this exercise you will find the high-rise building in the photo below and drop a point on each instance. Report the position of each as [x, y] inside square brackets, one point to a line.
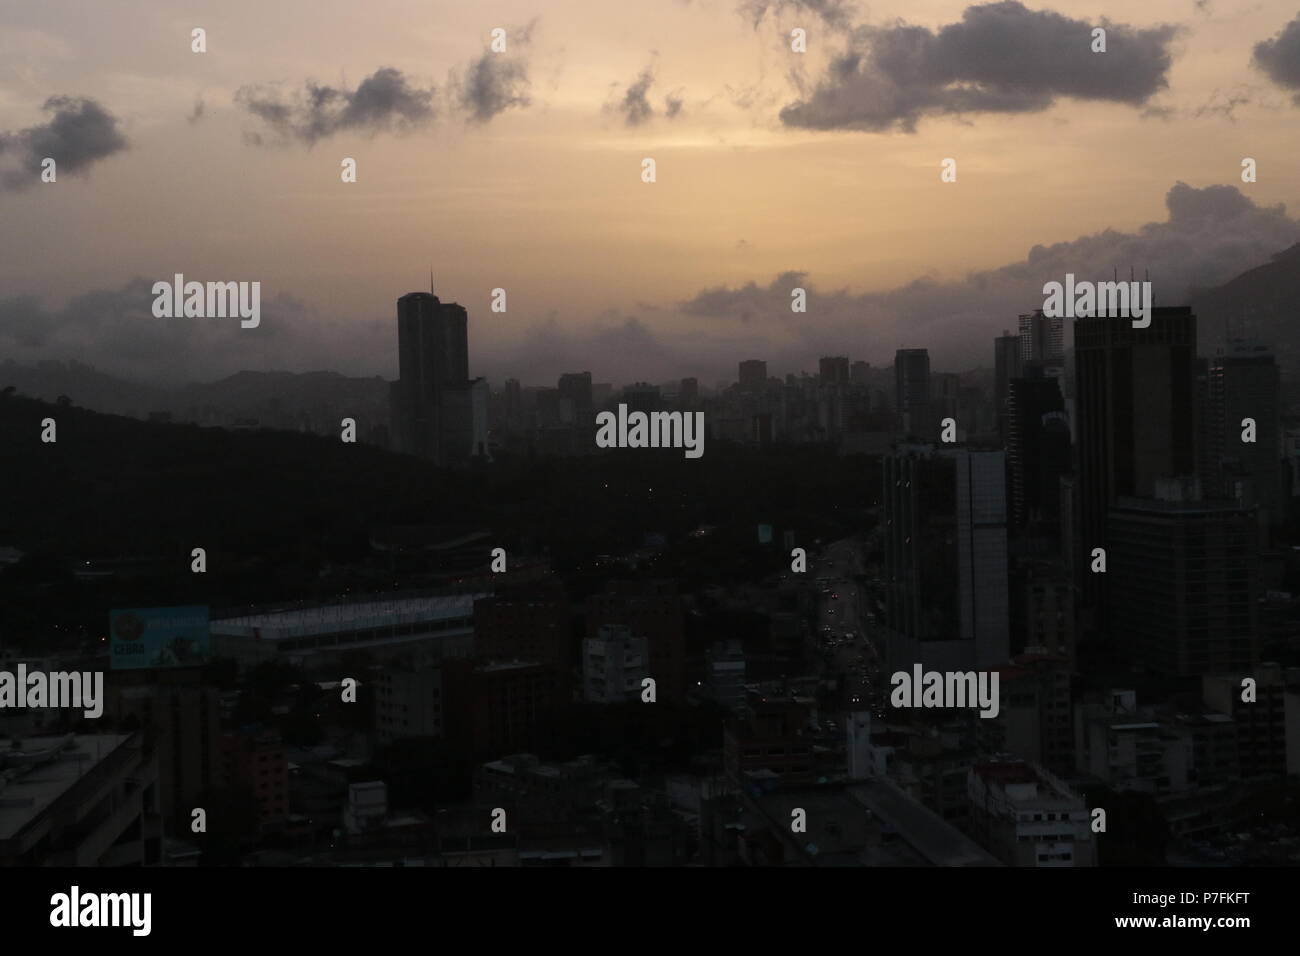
[912, 391]
[834, 369]
[860, 373]
[1135, 403]
[1007, 364]
[435, 405]
[1183, 584]
[576, 388]
[753, 375]
[1042, 338]
[1243, 385]
[688, 393]
[944, 519]
[1038, 451]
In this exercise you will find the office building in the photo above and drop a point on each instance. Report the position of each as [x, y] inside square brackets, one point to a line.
[1135, 407]
[1026, 816]
[1243, 385]
[438, 412]
[1183, 582]
[912, 392]
[614, 663]
[945, 540]
[1042, 339]
[1007, 365]
[1038, 453]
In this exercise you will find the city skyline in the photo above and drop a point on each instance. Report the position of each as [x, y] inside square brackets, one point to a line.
[535, 181]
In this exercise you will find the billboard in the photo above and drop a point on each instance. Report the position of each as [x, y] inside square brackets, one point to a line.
[158, 637]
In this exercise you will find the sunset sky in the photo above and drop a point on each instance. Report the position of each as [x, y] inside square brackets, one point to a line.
[522, 170]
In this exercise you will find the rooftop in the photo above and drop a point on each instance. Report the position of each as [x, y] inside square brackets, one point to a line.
[36, 771]
[327, 619]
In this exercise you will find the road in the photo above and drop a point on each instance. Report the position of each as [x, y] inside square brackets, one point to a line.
[846, 633]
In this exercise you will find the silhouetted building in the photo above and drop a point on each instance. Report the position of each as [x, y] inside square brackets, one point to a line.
[1007, 364]
[912, 392]
[688, 393]
[642, 397]
[575, 387]
[943, 514]
[834, 370]
[1042, 339]
[1135, 402]
[1243, 385]
[1183, 583]
[1038, 452]
[436, 413]
[753, 375]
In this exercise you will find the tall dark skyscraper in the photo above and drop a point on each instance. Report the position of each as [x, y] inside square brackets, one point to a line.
[434, 400]
[943, 515]
[1038, 451]
[1243, 384]
[912, 391]
[1007, 364]
[1135, 401]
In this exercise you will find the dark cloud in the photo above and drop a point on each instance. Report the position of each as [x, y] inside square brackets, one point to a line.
[384, 101]
[79, 134]
[495, 82]
[1000, 58]
[834, 13]
[673, 105]
[635, 104]
[1279, 57]
[1223, 103]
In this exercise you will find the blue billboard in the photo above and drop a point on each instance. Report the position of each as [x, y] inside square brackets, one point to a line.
[158, 637]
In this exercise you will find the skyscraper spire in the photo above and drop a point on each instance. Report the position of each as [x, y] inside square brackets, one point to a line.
[431, 292]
